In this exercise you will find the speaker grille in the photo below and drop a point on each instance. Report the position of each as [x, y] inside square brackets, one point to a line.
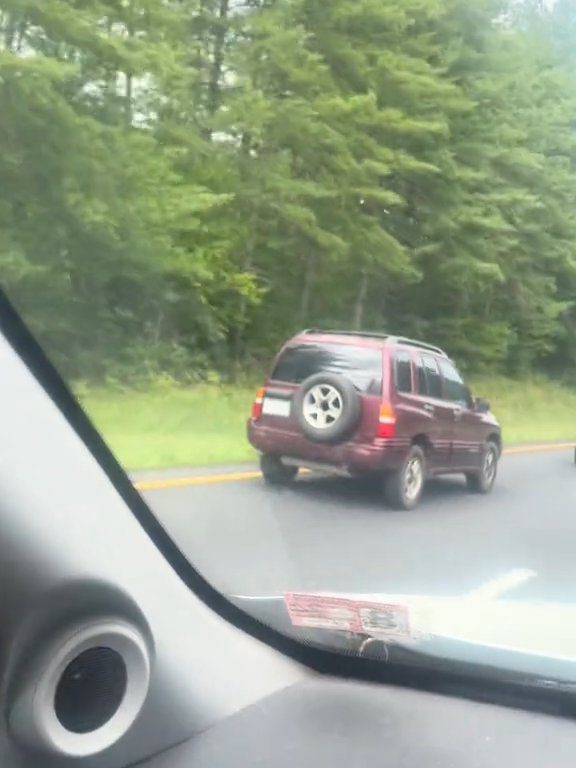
[90, 690]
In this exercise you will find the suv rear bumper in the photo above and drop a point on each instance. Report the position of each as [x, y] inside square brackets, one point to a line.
[354, 458]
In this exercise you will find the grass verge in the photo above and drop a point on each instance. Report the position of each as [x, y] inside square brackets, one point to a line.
[170, 427]
[167, 427]
[533, 410]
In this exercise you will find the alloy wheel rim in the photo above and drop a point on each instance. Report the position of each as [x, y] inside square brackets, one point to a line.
[489, 468]
[322, 406]
[413, 478]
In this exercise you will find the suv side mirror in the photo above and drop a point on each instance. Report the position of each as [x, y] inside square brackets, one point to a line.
[481, 405]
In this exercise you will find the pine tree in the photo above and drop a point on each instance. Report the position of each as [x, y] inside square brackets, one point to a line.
[186, 181]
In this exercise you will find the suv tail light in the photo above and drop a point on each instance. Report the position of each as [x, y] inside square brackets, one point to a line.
[257, 404]
[386, 421]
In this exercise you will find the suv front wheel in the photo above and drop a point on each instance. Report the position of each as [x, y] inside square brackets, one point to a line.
[482, 481]
[403, 488]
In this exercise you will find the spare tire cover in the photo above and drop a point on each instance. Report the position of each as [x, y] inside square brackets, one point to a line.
[327, 408]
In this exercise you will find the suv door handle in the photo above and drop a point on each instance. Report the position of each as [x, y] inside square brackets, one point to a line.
[428, 407]
[458, 411]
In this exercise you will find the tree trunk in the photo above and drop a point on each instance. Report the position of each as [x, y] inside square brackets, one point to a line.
[217, 66]
[128, 85]
[128, 98]
[9, 31]
[238, 336]
[360, 303]
[22, 29]
[308, 287]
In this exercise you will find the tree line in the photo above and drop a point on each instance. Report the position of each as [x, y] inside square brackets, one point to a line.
[184, 183]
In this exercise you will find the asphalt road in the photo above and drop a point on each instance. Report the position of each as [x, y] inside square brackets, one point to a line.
[336, 535]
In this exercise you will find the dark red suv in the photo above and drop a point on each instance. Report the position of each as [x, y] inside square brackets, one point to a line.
[362, 403]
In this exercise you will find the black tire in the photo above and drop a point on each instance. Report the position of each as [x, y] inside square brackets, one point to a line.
[275, 472]
[482, 481]
[396, 488]
[349, 404]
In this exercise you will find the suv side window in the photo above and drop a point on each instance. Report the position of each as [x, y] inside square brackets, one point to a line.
[403, 372]
[454, 388]
[421, 376]
[433, 377]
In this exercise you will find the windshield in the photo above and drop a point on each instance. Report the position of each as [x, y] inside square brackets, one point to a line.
[187, 186]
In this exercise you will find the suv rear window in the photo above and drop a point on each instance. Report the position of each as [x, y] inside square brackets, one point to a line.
[362, 365]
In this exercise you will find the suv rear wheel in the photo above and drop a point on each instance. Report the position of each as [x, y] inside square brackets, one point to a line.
[482, 481]
[403, 489]
[275, 472]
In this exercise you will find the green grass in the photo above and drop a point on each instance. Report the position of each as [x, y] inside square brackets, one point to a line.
[165, 427]
[531, 410]
[168, 427]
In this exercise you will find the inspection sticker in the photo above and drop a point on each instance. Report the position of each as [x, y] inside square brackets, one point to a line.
[318, 611]
[385, 620]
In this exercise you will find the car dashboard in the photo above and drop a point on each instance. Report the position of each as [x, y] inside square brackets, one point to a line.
[332, 723]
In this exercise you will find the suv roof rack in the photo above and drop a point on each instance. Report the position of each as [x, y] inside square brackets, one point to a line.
[367, 334]
[419, 344]
[375, 335]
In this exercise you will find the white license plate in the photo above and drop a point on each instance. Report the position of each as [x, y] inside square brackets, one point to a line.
[274, 407]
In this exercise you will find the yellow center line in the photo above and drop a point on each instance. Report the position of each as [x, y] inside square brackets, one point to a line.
[235, 477]
[538, 448]
[183, 482]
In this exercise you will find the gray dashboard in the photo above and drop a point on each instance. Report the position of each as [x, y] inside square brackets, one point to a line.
[335, 723]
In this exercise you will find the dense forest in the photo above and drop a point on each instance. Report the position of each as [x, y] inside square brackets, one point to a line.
[184, 183]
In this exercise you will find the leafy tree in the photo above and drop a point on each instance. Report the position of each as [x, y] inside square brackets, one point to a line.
[183, 183]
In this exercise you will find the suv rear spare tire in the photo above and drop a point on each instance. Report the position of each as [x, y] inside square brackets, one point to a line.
[327, 408]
